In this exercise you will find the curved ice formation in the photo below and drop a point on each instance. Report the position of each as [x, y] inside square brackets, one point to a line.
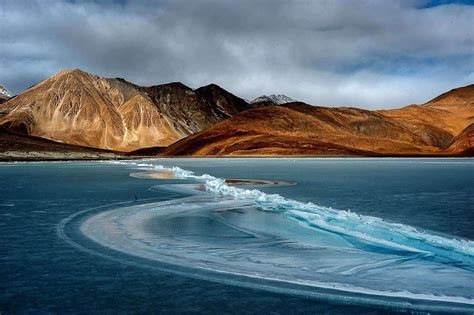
[366, 228]
[250, 234]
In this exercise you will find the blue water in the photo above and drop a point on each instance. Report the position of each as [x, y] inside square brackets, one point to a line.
[86, 236]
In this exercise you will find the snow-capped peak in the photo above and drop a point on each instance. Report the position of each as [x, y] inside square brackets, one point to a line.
[273, 98]
[4, 92]
[281, 99]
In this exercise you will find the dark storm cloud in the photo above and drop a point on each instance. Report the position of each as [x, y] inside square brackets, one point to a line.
[371, 54]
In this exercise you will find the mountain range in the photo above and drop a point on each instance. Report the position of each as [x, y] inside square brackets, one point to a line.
[83, 110]
[79, 108]
[439, 127]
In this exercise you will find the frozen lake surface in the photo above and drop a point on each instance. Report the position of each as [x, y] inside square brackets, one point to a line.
[237, 235]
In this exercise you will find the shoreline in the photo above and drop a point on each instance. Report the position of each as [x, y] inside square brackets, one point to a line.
[121, 158]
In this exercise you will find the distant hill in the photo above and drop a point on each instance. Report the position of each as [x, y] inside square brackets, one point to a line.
[23, 147]
[76, 107]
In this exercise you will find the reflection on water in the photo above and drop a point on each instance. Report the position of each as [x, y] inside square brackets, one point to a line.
[154, 175]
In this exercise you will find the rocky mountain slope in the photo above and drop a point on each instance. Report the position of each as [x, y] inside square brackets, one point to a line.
[442, 126]
[463, 144]
[79, 108]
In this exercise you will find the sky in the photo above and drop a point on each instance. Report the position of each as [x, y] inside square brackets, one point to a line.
[368, 54]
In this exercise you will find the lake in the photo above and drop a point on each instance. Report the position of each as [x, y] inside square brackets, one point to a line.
[327, 235]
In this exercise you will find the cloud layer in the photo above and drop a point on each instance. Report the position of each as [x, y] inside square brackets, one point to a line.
[371, 54]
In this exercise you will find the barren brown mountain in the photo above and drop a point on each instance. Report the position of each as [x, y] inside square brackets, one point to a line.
[439, 127]
[76, 107]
